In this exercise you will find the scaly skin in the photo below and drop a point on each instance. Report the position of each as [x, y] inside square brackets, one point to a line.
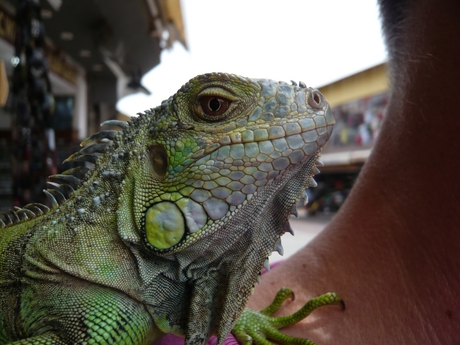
[169, 230]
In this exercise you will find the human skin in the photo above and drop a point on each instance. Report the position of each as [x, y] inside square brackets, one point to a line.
[393, 250]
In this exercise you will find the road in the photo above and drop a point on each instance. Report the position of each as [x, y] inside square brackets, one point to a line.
[305, 229]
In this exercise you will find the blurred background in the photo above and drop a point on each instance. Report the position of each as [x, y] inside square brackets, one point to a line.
[66, 66]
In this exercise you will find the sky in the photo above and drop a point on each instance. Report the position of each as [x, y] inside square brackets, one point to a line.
[317, 42]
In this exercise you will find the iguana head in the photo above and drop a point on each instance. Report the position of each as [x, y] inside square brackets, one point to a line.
[210, 180]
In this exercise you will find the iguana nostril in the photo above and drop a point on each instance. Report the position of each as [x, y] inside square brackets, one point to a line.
[316, 100]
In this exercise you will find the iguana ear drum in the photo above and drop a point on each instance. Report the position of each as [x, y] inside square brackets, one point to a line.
[159, 159]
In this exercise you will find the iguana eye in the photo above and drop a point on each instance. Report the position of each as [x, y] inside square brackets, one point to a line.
[214, 106]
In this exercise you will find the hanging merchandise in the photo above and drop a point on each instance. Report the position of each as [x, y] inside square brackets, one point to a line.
[33, 134]
[4, 88]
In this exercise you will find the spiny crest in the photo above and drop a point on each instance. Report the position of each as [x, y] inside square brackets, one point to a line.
[64, 185]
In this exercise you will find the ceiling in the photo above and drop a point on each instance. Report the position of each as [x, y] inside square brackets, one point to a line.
[126, 32]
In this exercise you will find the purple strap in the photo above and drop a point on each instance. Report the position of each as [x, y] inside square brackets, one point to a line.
[170, 339]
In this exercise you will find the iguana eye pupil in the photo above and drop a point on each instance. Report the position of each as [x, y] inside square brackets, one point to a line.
[214, 106]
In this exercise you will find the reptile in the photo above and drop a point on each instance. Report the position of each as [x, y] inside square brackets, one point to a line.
[167, 224]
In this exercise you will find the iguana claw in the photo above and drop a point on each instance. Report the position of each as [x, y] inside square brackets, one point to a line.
[256, 327]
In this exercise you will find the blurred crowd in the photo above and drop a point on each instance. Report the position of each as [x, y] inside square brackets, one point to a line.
[358, 122]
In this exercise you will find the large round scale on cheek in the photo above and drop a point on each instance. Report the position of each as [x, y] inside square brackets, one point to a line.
[164, 225]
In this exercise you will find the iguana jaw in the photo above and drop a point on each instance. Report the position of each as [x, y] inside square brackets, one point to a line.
[255, 230]
[218, 283]
[274, 219]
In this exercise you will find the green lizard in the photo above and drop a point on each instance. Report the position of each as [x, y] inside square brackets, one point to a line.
[168, 231]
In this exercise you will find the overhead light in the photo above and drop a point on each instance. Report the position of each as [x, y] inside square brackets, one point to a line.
[85, 53]
[46, 14]
[15, 60]
[66, 36]
[55, 4]
[97, 67]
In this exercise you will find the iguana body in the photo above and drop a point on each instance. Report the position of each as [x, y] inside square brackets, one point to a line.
[170, 229]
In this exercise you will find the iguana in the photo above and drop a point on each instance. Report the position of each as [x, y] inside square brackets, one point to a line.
[170, 228]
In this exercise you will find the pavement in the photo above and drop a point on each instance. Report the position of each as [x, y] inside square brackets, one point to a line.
[305, 229]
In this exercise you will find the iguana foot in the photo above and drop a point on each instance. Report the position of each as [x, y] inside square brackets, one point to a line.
[256, 327]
